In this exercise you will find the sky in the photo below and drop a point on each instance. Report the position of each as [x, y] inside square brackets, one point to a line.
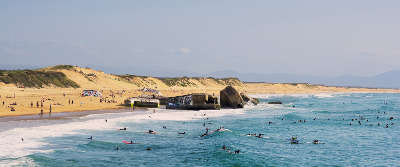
[311, 37]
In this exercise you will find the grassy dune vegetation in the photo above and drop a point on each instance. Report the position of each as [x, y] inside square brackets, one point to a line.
[36, 78]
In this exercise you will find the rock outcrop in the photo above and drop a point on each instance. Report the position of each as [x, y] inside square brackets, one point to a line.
[230, 98]
[249, 99]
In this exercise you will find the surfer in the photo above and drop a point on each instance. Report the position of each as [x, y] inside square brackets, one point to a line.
[123, 129]
[181, 133]
[90, 138]
[151, 132]
[316, 141]
[294, 140]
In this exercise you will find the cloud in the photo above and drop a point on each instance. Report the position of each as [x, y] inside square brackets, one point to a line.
[185, 51]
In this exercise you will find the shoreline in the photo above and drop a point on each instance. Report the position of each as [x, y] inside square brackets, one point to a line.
[120, 109]
[66, 114]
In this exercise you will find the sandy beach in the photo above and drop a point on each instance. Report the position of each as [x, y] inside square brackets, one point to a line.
[33, 101]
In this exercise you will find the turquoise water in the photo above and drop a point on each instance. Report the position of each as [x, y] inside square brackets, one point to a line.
[344, 145]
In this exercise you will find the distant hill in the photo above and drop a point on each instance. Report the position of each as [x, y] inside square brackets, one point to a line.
[389, 79]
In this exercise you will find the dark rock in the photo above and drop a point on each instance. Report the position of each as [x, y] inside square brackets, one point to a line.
[247, 99]
[230, 98]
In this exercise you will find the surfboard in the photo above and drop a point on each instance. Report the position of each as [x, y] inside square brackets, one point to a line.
[126, 142]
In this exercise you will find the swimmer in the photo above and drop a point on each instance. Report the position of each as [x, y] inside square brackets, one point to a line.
[148, 148]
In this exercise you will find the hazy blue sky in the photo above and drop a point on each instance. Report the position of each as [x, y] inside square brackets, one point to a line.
[359, 37]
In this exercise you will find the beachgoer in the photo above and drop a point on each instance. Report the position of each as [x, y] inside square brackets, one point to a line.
[41, 111]
[50, 108]
[37, 104]
[31, 104]
[106, 120]
[22, 139]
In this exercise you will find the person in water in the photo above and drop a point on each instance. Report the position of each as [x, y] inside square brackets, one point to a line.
[294, 140]
[151, 132]
[164, 127]
[224, 147]
[260, 135]
[316, 141]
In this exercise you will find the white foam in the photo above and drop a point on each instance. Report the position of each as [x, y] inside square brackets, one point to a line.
[266, 96]
[11, 145]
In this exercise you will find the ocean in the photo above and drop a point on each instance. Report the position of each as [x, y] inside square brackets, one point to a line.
[353, 130]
